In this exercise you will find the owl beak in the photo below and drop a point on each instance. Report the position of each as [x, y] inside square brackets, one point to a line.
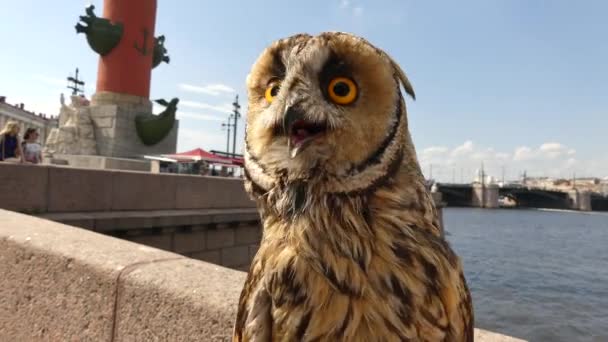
[299, 131]
[291, 115]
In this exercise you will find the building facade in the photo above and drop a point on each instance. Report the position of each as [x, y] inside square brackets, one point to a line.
[42, 122]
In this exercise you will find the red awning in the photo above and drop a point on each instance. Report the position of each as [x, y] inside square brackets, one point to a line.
[237, 161]
[200, 154]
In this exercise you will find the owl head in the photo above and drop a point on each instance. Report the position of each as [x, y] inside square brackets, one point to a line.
[326, 111]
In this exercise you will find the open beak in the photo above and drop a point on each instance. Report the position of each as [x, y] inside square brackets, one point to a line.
[299, 131]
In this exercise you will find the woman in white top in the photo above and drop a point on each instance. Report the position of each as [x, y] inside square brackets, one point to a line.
[32, 150]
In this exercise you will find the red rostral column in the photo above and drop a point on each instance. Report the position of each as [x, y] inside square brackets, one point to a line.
[128, 67]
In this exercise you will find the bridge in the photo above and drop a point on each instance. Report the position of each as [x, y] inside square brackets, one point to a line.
[599, 202]
[540, 198]
[456, 195]
[468, 195]
[487, 196]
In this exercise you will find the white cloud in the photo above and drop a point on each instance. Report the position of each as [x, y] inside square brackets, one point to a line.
[552, 150]
[348, 6]
[209, 89]
[463, 149]
[551, 147]
[523, 153]
[435, 150]
[433, 155]
[571, 162]
[224, 108]
[550, 159]
[480, 156]
[503, 156]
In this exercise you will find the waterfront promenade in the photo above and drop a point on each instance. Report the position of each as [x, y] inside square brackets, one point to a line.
[64, 283]
[129, 271]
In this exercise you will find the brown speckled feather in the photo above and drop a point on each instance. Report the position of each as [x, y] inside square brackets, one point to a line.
[351, 250]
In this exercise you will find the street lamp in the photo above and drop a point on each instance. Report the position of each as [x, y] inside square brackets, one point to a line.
[226, 126]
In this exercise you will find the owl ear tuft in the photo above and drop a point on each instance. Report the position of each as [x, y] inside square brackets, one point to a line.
[398, 71]
[403, 78]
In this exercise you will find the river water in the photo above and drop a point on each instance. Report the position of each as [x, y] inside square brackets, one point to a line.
[537, 275]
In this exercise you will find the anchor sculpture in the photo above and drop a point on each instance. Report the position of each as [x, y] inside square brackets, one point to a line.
[153, 128]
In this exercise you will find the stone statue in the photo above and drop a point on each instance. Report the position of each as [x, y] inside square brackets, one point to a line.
[75, 134]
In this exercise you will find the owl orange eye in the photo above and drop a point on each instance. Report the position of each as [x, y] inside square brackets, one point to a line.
[342, 90]
[271, 91]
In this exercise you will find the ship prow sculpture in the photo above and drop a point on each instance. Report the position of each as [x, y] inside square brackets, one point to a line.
[102, 34]
[153, 128]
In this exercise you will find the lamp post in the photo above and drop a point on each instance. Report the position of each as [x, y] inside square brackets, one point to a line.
[236, 115]
[227, 126]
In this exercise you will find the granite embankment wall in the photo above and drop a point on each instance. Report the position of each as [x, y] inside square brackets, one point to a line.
[206, 218]
[62, 283]
[56, 189]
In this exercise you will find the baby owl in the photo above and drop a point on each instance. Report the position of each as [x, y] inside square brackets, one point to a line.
[352, 249]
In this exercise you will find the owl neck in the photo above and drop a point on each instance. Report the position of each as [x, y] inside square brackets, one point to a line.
[344, 221]
[353, 228]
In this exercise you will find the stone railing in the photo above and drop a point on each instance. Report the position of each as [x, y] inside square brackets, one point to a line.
[206, 218]
[61, 283]
[53, 189]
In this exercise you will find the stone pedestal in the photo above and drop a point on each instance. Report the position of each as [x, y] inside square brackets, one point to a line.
[485, 196]
[101, 162]
[114, 115]
[580, 200]
[439, 205]
[155, 166]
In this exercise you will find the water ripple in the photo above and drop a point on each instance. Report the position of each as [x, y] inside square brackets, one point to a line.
[538, 275]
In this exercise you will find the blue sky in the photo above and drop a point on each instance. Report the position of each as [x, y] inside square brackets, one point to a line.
[518, 83]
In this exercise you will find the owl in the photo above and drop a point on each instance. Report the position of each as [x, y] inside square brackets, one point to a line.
[352, 248]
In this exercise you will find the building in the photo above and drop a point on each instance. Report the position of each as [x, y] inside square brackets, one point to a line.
[44, 123]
